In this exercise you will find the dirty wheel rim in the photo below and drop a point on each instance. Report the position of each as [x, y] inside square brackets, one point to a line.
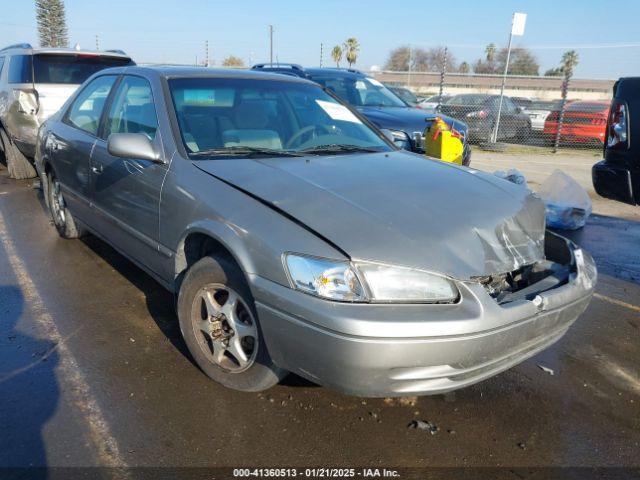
[57, 203]
[224, 327]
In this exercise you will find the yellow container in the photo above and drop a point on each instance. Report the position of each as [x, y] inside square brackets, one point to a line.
[442, 143]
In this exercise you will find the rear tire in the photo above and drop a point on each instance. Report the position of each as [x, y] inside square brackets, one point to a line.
[18, 165]
[62, 218]
[215, 307]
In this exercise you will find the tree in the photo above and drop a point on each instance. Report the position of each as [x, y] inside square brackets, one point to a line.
[435, 60]
[398, 60]
[336, 54]
[522, 62]
[233, 61]
[490, 52]
[52, 23]
[351, 48]
[421, 60]
[488, 65]
[570, 60]
[554, 72]
[464, 67]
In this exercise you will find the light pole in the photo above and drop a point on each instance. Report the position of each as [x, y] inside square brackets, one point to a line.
[517, 28]
[271, 45]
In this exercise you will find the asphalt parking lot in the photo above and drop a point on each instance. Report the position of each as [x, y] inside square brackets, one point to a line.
[93, 371]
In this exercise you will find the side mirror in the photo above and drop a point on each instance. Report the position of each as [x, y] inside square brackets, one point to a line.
[132, 145]
[387, 133]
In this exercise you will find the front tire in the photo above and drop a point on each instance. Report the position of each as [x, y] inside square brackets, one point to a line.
[62, 218]
[18, 165]
[220, 326]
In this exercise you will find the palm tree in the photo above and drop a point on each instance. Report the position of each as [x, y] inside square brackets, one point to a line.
[569, 61]
[490, 51]
[351, 47]
[336, 54]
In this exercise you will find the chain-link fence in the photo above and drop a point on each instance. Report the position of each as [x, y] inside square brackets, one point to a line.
[531, 111]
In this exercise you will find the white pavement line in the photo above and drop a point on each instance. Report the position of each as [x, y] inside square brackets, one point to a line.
[620, 303]
[78, 388]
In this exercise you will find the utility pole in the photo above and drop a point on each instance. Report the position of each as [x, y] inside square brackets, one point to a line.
[517, 28]
[271, 45]
[409, 70]
[321, 55]
[206, 53]
[97, 43]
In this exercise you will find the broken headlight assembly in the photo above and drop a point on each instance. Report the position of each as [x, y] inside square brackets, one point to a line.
[367, 281]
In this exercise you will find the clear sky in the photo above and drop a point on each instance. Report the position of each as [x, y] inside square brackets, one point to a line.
[604, 32]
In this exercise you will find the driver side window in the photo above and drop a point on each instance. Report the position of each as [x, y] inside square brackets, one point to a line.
[133, 109]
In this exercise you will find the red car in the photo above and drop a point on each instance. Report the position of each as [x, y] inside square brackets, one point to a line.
[584, 122]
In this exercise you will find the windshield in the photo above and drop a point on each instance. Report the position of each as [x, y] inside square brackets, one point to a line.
[587, 107]
[359, 91]
[406, 95]
[543, 105]
[72, 69]
[220, 116]
[468, 100]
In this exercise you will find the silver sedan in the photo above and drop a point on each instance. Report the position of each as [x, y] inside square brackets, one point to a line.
[298, 238]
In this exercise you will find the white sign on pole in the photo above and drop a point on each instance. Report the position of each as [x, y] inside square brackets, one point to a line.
[517, 26]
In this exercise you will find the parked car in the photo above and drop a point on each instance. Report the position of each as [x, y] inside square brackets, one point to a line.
[34, 83]
[538, 111]
[584, 123]
[480, 112]
[618, 175]
[378, 104]
[405, 95]
[298, 238]
[522, 102]
[432, 102]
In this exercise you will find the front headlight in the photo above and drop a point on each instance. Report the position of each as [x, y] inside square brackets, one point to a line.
[331, 279]
[340, 280]
[398, 284]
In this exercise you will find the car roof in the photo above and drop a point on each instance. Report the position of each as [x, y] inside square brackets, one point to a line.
[176, 71]
[299, 70]
[27, 49]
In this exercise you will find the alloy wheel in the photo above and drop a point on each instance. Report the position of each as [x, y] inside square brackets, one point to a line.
[224, 327]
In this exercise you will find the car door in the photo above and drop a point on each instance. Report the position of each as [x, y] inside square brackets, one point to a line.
[513, 118]
[70, 142]
[126, 191]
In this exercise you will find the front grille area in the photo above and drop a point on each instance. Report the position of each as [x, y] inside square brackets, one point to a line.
[525, 283]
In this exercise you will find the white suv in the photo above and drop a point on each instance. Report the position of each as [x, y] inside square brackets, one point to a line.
[34, 84]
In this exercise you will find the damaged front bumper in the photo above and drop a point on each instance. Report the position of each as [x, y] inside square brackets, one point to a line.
[394, 350]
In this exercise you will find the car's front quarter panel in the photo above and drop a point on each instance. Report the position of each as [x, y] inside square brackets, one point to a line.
[257, 235]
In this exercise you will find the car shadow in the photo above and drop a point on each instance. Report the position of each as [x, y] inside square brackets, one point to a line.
[29, 390]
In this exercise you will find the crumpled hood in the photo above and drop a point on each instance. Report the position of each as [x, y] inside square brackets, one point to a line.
[407, 119]
[400, 208]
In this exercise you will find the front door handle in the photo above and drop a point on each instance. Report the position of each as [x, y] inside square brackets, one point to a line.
[97, 169]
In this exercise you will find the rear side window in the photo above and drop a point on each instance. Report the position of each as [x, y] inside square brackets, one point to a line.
[133, 110]
[1, 65]
[71, 69]
[86, 110]
[20, 70]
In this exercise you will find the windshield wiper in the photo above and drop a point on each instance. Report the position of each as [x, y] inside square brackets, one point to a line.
[239, 150]
[338, 148]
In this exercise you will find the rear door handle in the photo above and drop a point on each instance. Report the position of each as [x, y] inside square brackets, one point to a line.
[97, 169]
